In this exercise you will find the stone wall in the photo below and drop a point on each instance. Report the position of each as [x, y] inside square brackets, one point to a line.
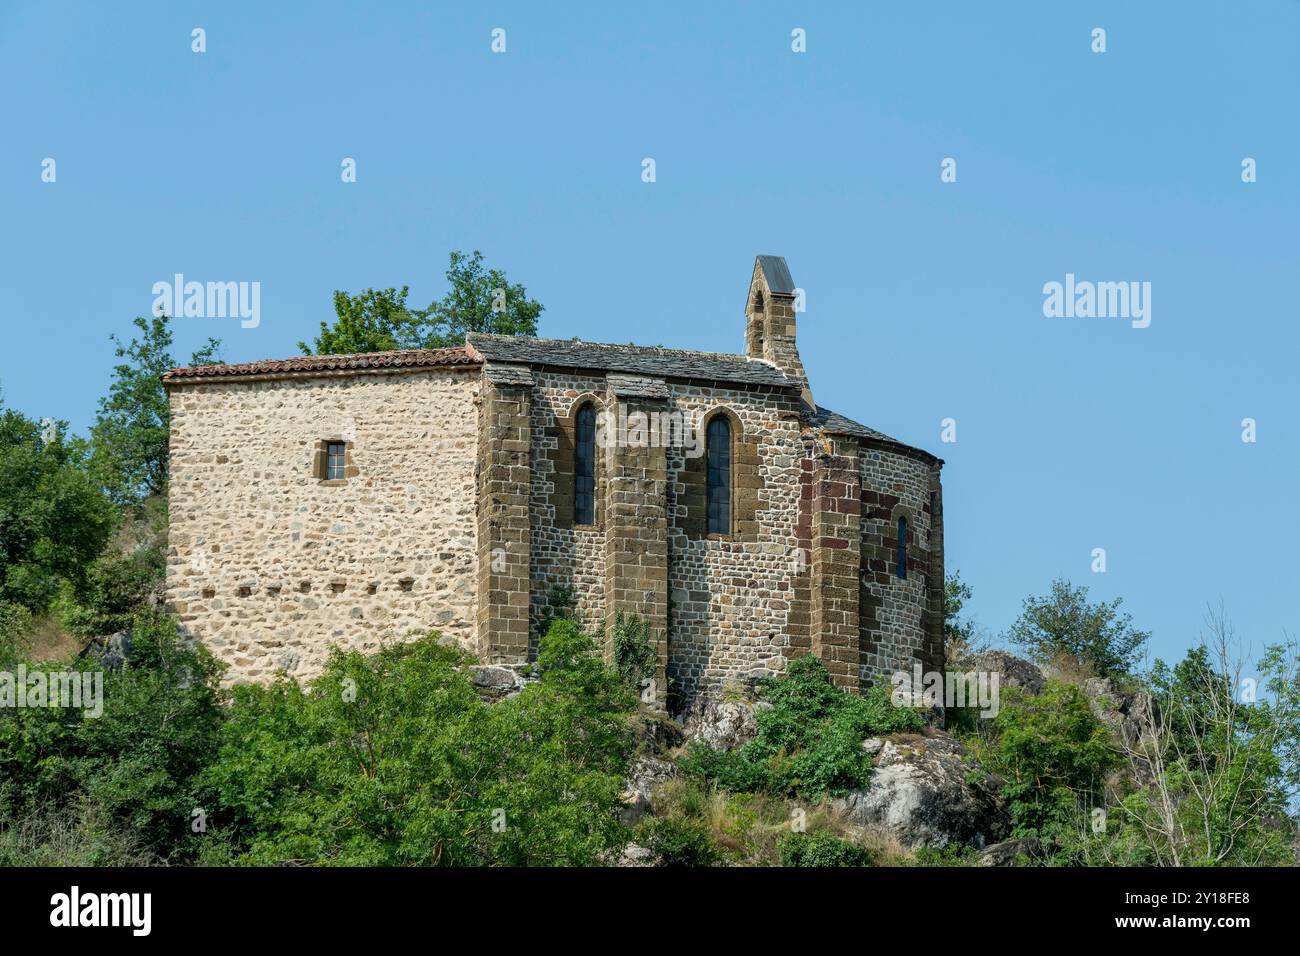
[504, 480]
[728, 597]
[456, 513]
[836, 561]
[269, 565]
[901, 619]
[564, 558]
[732, 596]
[636, 537]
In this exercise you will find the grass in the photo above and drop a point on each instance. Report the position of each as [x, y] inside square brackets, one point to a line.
[747, 828]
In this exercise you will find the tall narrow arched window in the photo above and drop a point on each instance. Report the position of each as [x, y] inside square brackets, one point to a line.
[902, 548]
[718, 440]
[584, 467]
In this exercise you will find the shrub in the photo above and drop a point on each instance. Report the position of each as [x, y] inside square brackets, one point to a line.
[676, 841]
[821, 849]
[1226, 772]
[80, 834]
[561, 604]
[634, 655]
[809, 741]
[15, 622]
[394, 760]
[951, 854]
[117, 587]
[1050, 749]
[138, 762]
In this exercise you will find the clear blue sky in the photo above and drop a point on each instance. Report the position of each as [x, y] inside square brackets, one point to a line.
[924, 298]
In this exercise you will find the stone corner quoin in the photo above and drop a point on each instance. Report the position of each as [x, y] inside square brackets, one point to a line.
[466, 495]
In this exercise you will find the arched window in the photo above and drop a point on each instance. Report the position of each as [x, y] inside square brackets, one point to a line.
[718, 440]
[584, 467]
[902, 548]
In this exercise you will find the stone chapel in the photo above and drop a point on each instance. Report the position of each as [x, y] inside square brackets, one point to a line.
[350, 499]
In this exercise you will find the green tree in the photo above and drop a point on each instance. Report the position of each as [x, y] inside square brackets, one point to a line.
[379, 320]
[130, 434]
[54, 519]
[960, 635]
[1216, 773]
[376, 320]
[1064, 622]
[480, 300]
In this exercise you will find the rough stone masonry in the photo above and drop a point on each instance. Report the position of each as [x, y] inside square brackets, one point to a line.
[352, 499]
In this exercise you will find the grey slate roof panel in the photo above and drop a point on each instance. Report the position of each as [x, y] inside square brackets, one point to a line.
[637, 386]
[837, 424]
[636, 359]
[777, 274]
[505, 374]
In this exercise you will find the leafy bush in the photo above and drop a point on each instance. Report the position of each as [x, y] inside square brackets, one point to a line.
[634, 655]
[116, 588]
[821, 849]
[809, 741]
[15, 622]
[561, 604]
[678, 841]
[1050, 750]
[1225, 773]
[394, 760]
[951, 854]
[138, 762]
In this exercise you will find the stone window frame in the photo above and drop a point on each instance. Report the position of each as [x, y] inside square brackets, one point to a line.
[737, 439]
[320, 461]
[581, 409]
[565, 485]
[912, 543]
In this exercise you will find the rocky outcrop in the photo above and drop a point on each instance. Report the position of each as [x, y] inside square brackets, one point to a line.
[928, 791]
[1008, 852]
[646, 775]
[722, 724]
[1131, 716]
[1013, 671]
[111, 651]
[634, 855]
[496, 681]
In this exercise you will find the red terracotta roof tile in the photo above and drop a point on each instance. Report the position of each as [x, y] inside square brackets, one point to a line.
[410, 358]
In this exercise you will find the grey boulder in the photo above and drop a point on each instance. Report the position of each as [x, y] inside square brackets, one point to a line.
[928, 791]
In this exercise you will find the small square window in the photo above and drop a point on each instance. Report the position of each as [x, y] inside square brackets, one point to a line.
[335, 456]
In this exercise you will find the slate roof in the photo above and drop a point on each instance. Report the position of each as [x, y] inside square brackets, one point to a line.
[508, 358]
[837, 424]
[637, 359]
[777, 274]
[499, 373]
[410, 358]
[636, 386]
